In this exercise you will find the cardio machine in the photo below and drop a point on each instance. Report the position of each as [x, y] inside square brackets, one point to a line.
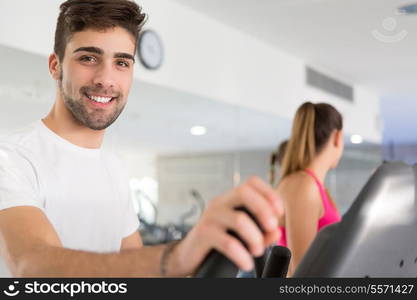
[377, 237]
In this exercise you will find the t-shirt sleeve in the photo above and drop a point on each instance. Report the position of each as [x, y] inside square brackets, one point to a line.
[19, 184]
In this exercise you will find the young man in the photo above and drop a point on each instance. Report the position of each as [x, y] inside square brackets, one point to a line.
[64, 204]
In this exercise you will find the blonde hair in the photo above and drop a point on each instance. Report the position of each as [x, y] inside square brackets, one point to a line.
[276, 158]
[313, 124]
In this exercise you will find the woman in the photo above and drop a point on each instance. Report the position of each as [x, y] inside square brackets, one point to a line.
[276, 159]
[315, 147]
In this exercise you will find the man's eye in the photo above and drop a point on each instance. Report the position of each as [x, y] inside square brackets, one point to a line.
[88, 58]
[123, 63]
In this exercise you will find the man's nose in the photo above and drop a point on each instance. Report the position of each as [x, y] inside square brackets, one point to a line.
[104, 76]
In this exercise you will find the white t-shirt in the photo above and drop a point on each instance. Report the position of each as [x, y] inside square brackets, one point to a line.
[83, 192]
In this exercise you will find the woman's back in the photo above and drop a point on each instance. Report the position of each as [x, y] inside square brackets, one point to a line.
[306, 183]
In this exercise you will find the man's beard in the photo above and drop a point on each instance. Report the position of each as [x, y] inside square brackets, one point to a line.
[95, 119]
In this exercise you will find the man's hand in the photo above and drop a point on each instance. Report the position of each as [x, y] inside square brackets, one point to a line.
[219, 217]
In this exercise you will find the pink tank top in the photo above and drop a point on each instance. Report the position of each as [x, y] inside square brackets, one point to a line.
[330, 216]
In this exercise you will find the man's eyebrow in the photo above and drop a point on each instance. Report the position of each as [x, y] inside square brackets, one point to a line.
[101, 52]
[89, 49]
[124, 55]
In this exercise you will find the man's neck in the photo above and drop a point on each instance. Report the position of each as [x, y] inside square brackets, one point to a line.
[64, 125]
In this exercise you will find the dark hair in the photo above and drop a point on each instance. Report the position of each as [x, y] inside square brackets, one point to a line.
[78, 15]
[276, 158]
[312, 127]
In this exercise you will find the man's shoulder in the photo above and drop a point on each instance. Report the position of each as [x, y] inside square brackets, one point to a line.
[21, 145]
[21, 137]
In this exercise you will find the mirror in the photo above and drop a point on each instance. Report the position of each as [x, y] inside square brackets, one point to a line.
[174, 173]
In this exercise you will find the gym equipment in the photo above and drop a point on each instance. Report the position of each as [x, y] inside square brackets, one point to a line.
[377, 237]
[277, 263]
[153, 234]
[217, 265]
[196, 209]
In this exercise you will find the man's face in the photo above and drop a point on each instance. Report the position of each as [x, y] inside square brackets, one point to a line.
[96, 75]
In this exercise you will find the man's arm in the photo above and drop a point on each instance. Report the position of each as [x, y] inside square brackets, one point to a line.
[32, 248]
[133, 241]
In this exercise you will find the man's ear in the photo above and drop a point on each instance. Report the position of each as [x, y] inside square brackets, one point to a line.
[54, 66]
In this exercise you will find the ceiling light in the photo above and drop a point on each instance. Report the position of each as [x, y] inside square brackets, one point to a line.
[198, 130]
[356, 139]
[408, 9]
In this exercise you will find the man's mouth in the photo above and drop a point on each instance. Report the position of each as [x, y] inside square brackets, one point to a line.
[100, 99]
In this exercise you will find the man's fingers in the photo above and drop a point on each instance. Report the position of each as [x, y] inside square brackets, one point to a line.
[246, 229]
[272, 237]
[268, 193]
[259, 207]
[249, 232]
[232, 249]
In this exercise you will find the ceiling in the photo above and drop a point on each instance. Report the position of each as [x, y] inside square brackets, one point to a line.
[354, 38]
[365, 42]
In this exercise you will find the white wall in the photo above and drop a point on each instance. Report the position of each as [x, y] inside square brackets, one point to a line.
[361, 118]
[206, 58]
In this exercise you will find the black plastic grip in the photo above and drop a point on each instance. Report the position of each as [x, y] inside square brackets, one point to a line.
[277, 264]
[216, 265]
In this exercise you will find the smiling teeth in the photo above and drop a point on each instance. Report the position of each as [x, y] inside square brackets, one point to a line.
[100, 99]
